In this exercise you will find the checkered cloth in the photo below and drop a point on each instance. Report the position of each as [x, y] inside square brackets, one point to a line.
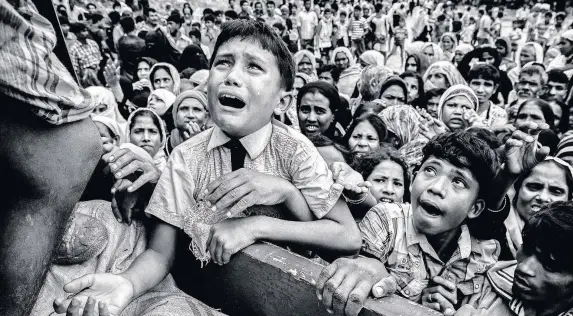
[30, 72]
[85, 55]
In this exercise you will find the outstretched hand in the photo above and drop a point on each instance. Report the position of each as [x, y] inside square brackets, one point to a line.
[354, 185]
[89, 308]
[431, 127]
[522, 151]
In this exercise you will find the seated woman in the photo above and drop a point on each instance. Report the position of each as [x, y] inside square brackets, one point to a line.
[367, 133]
[146, 130]
[415, 85]
[442, 74]
[550, 181]
[190, 115]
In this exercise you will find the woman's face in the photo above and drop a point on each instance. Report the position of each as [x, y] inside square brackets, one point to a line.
[447, 43]
[458, 56]
[453, 112]
[530, 113]
[105, 134]
[364, 138]
[547, 183]
[314, 114]
[393, 95]
[146, 134]
[100, 108]
[527, 55]
[191, 110]
[411, 64]
[501, 49]
[487, 58]
[341, 60]
[305, 66]
[429, 51]
[155, 103]
[557, 112]
[438, 80]
[162, 80]
[413, 88]
[143, 70]
[387, 182]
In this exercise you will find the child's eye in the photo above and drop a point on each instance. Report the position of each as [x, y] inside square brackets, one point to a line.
[255, 67]
[222, 62]
[459, 182]
[398, 184]
[430, 170]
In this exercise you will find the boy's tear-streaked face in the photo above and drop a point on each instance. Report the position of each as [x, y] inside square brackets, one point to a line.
[442, 196]
[244, 87]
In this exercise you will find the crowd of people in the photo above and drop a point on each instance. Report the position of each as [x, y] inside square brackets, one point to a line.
[418, 148]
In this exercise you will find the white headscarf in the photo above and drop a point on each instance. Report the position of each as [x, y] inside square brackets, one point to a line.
[166, 96]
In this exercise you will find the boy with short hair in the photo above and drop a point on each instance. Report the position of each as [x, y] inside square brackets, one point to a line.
[484, 80]
[245, 167]
[436, 249]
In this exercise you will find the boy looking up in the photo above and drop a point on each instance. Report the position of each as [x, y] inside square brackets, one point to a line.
[247, 166]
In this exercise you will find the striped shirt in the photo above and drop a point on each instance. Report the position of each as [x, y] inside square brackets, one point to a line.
[30, 72]
[389, 234]
[357, 28]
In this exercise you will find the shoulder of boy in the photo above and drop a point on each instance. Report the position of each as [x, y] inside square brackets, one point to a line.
[392, 210]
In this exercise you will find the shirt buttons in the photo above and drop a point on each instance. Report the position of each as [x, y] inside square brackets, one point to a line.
[476, 286]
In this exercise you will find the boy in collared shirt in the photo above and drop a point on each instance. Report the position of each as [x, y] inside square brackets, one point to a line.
[247, 167]
[430, 248]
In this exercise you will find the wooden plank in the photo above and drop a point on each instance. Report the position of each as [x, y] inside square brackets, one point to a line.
[266, 280]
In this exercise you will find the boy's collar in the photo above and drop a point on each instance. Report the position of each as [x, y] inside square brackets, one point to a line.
[254, 143]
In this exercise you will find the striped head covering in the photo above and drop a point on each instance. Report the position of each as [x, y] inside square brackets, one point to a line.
[565, 147]
[455, 91]
[403, 121]
[447, 69]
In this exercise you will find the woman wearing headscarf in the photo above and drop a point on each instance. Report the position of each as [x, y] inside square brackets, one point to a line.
[402, 123]
[455, 107]
[530, 52]
[371, 81]
[306, 63]
[371, 58]
[503, 46]
[433, 52]
[193, 57]
[317, 118]
[150, 137]
[448, 44]
[160, 100]
[199, 77]
[393, 91]
[160, 48]
[165, 76]
[417, 62]
[461, 50]
[442, 74]
[192, 118]
[105, 104]
[350, 71]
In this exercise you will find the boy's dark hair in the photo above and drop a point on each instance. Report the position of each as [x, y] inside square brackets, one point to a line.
[208, 11]
[187, 73]
[148, 10]
[378, 7]
[485, 72]
[557, 76]
[367, 163]
[176, 18]
[343, 13]
[196, 24]
[334, 71]
[116, 4]
[267, 38]
[78, 27]
[209, 17]
[327, 10]
[63, 20]
[548, 14]
[481, 11]
[113, 16]
[231, 14]
[441, 18]
[271, 2]
[466, 150]
[279, 26]
[139, 19]
[544, 234]
[127, 24]
[357, 8]
[218, 13]
[196, 33]
[243, 2]
[500, 15]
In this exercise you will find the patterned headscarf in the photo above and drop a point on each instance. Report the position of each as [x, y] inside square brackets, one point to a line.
[455, 91]
[403, 121]
[447, 69]
[438, 52]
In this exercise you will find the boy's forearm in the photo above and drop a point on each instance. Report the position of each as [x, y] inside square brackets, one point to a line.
[296, 204]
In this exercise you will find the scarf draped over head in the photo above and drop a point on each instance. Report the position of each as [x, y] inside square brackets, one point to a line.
[102, 95]
[438, 52]
[464, 48]
[113, 127]
[565, 147]
[414, 47]
[300, 55]
[403, 121]
[193, 57]
[172, 72]
[372, 58]
[454, 39]
[166, 96]
[349, 76]
[161, 48]
[422, 61]
[447, 69]
[394, 81]
[200, 77]
[513, 74]
[176, 138]
[454, 91]
[159, 159]
[150, 61]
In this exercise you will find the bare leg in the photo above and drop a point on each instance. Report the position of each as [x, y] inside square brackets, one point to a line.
[44, 170]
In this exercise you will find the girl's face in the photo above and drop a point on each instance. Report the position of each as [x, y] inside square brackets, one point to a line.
[162, 80]
[411, 64]
[527, 55]
[191, 110]
[364, 138]
[530, 112]
[156, 103]
[143, 70]
[453, 112]
[105, 134]
[413, 88]
[314, 114]
[547, 183]
[387, 182]
[447, 43]
[429, 51]
[438, 80]
[146, 134]
[305, 66]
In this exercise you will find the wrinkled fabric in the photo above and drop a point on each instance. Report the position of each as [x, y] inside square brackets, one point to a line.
[104, 96]
[373, 58]
[454, 91]
[438, 52]
[166, 96]
[113, 247]
[403, 121]
[447, 69]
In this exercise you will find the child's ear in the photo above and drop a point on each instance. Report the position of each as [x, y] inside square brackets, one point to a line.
[285, 101]
[477, 209]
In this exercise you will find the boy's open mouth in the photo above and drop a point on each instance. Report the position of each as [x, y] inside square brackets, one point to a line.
[231, 101]
[430, 208]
